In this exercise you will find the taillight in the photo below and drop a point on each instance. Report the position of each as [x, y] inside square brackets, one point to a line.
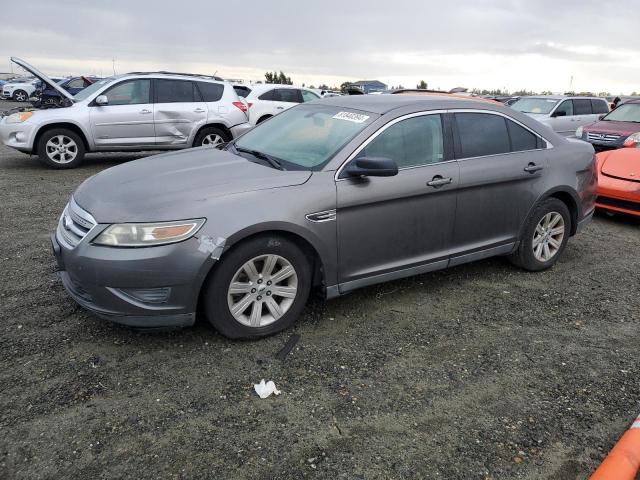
[241, 106]
[250, 104]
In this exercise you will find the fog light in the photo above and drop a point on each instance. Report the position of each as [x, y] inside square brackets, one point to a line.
[151, 296]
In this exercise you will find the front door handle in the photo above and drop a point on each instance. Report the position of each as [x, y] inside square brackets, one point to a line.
[439, 181]
[145, 111]
[533, 168]
[279, 108]
[199, 110]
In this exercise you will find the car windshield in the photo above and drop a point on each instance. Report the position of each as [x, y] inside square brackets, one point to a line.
[627, 112]
[534, 105]
[306, 137]
[94, 87]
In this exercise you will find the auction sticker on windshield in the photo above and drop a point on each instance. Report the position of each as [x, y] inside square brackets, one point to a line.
[351, 117]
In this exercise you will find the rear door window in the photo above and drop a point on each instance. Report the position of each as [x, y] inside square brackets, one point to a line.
[599, 106]
[582, 106]
[481, 134]
[521, 138]
[174, 91]
[291, 95]
[210, 92]
[410, 143]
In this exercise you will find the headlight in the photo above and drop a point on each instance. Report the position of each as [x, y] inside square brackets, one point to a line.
[148, 234]
[579, 131]
[19, 117]
[633, 140]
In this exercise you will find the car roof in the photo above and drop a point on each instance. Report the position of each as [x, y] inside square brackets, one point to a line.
[382, 104]
[170, 75]
[563, 97]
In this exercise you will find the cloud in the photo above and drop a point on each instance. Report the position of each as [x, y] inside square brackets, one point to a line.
[483, 43]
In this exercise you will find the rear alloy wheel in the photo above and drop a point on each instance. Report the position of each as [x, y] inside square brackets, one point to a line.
[210, 137]
[20, 96]
[61, 148]
[545, 236]
[259, 288]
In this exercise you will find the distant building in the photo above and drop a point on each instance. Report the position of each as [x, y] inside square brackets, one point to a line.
[369, 86]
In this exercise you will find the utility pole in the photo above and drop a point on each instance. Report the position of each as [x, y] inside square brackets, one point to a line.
[113, 64]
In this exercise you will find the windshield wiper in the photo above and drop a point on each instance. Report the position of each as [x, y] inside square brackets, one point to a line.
[274, 162]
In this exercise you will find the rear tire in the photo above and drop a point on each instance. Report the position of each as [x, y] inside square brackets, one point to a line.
[275, 290]
[61, 148]
[545, 236]
[210, 137]
[262, 119]
[20, 96]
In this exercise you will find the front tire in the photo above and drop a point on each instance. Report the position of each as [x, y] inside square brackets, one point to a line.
[259, 288]
[211, 137]
[61, 148]
[545, 236]
[20, 96]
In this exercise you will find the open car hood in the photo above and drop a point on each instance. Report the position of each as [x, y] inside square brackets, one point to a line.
[42, 77]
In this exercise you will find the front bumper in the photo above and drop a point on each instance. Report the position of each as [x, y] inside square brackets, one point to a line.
[618, 195]
[17, 135]
[240, 129]
[148, 287]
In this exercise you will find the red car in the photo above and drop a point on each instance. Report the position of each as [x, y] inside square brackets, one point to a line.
[619, 128]
[619, 181]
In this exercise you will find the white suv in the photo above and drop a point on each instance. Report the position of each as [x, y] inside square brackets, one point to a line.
[20, 90]
[268, 100]
[134, 112]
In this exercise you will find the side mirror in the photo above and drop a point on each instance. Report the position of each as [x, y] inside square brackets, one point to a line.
[102, 100]
[561, 113]
[372, 167]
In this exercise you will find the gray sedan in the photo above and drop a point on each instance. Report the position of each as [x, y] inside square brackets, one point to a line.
[334, 195]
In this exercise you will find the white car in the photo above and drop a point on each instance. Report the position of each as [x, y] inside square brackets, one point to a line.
[20, 90]
[267, 100]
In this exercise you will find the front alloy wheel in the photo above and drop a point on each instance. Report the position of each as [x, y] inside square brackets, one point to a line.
[262, 290]
[61, 149]
[20, 96]
[258, 287]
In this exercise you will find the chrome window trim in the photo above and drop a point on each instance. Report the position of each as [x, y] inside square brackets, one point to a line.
[364, 144]
[547, 144]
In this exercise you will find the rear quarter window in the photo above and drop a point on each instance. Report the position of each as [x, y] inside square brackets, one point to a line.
[210, 92]
[268, 95]
[599, 106]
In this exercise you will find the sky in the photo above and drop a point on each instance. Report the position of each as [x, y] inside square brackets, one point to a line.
[539, 45]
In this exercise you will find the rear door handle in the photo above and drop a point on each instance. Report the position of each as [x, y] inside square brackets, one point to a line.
[279, 108]
[145, 111]
[439, 181]
[533, 168]
[199, 110]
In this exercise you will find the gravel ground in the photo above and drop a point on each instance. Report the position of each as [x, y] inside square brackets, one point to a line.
[479, 372]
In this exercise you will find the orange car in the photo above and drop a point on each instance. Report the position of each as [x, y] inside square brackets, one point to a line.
[619, 181]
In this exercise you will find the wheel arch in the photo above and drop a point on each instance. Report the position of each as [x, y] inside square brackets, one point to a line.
[221, 126]
[309, 245]
[566, 195]
[263, 118]
[69, 125]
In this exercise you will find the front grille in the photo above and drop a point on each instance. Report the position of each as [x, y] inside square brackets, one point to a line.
[75, 223]
[614, 202]
[602, 137]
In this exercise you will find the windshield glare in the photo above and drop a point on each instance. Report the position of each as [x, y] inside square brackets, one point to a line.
[534, 105]
[627, 112]
[94, 87]
[307, 136]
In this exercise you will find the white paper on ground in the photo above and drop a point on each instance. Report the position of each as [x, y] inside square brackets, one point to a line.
[265, 389]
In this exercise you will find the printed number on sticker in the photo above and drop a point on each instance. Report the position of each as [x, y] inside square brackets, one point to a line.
[351, 117]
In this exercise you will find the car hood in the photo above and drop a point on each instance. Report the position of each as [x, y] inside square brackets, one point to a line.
[176, 186]
[614, 127]
[623, 163]
[41, 76]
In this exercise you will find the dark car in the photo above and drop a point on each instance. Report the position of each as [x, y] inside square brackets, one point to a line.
[336, 194]
[73, 85]
[619, 128]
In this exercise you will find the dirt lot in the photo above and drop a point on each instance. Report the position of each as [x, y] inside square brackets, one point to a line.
[481, 371]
